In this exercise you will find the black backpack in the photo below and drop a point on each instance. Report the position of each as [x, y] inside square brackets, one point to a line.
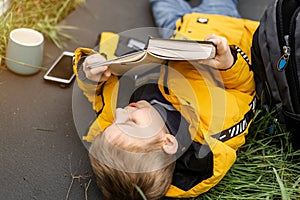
[276, 63]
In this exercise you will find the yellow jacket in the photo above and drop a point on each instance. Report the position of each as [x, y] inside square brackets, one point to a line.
[217, 104]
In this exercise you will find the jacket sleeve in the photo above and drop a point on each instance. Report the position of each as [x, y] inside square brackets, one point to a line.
[107, 44]
[94, 91]
[101, 95]
[239, 77]
[238, 32]
[89, 88]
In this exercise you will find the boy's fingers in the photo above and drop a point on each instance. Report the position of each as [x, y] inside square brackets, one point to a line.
[92, 59]
[98, 70]
[209, 62]
[211, 36]
[107, 73]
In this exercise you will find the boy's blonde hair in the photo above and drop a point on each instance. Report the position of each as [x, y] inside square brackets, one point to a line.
[121, 170]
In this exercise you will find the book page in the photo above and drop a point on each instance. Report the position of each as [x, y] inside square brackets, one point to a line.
[131, 57]
[169, 54]
[181, 49]
[144, 62]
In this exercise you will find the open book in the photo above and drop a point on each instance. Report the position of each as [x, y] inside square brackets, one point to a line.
[159, 50]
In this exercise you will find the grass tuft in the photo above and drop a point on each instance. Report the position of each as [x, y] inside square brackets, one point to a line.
[41, 15]
[267, 167]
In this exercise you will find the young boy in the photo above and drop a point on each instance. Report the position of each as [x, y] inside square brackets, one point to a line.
[175, 134]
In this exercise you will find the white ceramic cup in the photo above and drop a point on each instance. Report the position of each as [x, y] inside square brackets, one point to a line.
[24, 51]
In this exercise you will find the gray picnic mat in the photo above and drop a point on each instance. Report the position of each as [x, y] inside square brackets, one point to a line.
[42, 155]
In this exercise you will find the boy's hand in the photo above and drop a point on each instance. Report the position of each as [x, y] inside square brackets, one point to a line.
[97, 74]
[224, 58]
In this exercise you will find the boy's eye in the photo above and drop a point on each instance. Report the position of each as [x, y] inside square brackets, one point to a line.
[134, 120]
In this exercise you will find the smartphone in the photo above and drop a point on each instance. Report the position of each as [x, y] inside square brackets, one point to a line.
[62, 70]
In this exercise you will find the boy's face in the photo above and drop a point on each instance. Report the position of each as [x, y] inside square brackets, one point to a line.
[138, 131]
[137, 123]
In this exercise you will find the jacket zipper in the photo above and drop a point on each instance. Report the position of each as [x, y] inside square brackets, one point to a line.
[287, 61]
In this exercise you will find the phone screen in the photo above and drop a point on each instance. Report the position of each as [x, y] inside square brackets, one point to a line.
[63, 68]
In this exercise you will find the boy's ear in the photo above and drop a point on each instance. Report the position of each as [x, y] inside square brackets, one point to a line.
[170, 144]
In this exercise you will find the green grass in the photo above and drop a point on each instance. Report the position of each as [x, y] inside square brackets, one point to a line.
[41, 15]
[266, 166]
